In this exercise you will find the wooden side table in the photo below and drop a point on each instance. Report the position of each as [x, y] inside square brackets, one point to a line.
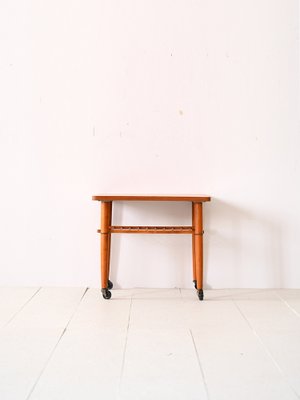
[196, 230]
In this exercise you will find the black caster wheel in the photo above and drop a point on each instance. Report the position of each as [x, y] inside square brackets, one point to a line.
[106, 294]
[200, 294]
[110, 285]
[195, 284]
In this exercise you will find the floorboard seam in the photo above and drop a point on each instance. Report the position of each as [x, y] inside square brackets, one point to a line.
[267, 351]
[124, 352]
[200, 365]
[21, 308]
[55, 347]
[288, 305]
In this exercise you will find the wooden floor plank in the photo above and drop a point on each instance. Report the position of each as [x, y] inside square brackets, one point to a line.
[235, 363]
[28, 340]
[278, 327]
[88, 361]
[12, 301]
[291, 297]
[161, 364]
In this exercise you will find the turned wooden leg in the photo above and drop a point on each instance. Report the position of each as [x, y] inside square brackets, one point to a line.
[109, 284]
[105, 232]
[109, 236]
[198, 234]
[193, 249]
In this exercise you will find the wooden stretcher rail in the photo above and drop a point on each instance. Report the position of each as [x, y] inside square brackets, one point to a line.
[150, 229]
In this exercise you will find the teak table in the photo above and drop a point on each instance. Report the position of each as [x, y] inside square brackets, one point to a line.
[196, 230]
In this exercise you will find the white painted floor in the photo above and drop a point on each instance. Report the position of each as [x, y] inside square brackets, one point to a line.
[69, 343]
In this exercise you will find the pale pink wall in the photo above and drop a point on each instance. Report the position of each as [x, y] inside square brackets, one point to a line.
[149, 97]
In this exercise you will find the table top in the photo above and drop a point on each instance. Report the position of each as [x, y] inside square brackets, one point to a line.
[152, 197]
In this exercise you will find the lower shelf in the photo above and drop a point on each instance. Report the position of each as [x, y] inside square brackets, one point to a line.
[150, 229]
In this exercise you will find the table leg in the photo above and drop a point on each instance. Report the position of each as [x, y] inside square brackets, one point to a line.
[198, 244]
[110, 284]
[105, 207]
[193, 249]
